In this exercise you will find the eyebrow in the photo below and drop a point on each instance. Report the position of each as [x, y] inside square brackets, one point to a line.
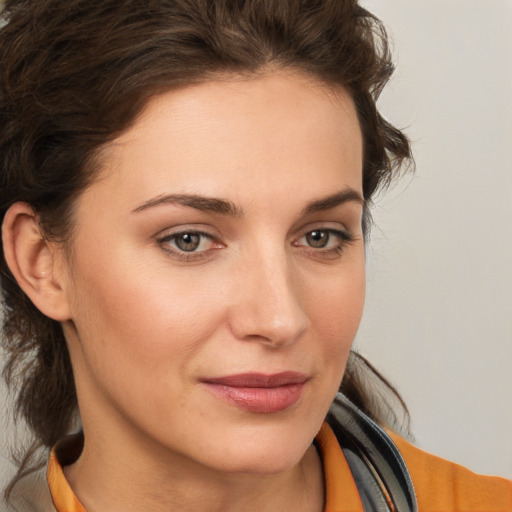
[209, 204]
[225, 207]
[326, 203]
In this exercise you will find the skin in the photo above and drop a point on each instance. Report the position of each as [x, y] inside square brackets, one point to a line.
[146, 322]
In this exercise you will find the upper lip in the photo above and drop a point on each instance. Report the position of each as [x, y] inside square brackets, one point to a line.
[259, 380]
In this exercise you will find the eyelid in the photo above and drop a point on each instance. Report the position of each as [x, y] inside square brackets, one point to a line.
[192, 227]
[332, 227]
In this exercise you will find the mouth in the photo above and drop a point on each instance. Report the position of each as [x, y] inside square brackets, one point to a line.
[257, 392]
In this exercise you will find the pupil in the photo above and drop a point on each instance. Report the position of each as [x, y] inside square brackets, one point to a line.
[188, 242]
[317, 238]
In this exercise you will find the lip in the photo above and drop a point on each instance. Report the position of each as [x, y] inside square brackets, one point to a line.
[258, 392]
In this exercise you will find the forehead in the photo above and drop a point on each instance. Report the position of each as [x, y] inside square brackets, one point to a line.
[236, 134]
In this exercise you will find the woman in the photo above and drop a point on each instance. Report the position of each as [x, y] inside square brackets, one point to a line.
[185, 193]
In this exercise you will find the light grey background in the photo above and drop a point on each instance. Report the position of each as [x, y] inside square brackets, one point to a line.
[439, 305]
[438, 317]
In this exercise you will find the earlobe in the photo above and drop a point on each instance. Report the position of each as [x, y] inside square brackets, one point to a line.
[31, 260]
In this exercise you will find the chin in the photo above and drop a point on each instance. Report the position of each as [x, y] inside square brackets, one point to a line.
[261, 451]
[264, 463]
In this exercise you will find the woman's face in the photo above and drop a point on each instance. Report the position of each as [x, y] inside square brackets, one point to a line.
[216, 274]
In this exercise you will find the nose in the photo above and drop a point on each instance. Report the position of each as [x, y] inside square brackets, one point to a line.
[268, 308]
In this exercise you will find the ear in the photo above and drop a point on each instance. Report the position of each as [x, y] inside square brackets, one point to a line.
[36, 264]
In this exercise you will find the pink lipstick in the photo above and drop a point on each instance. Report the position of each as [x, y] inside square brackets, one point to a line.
[256, 392]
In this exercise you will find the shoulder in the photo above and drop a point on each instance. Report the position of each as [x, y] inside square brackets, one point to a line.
[31, 494]
[442, 485]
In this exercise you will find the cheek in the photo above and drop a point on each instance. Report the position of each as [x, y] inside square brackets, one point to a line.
[137, 333]
[335, 310]
[139, 316]
[337, 302]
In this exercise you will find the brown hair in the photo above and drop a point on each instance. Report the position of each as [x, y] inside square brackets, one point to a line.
[74, 74]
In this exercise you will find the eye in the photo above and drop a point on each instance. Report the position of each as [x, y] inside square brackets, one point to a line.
[325, 238]
[325, 242]
[318, 238]
[188, 244]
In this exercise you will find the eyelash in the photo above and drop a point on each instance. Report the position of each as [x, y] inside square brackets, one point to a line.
[345, 238]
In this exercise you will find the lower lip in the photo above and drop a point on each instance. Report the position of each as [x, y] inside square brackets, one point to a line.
[261, 400]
